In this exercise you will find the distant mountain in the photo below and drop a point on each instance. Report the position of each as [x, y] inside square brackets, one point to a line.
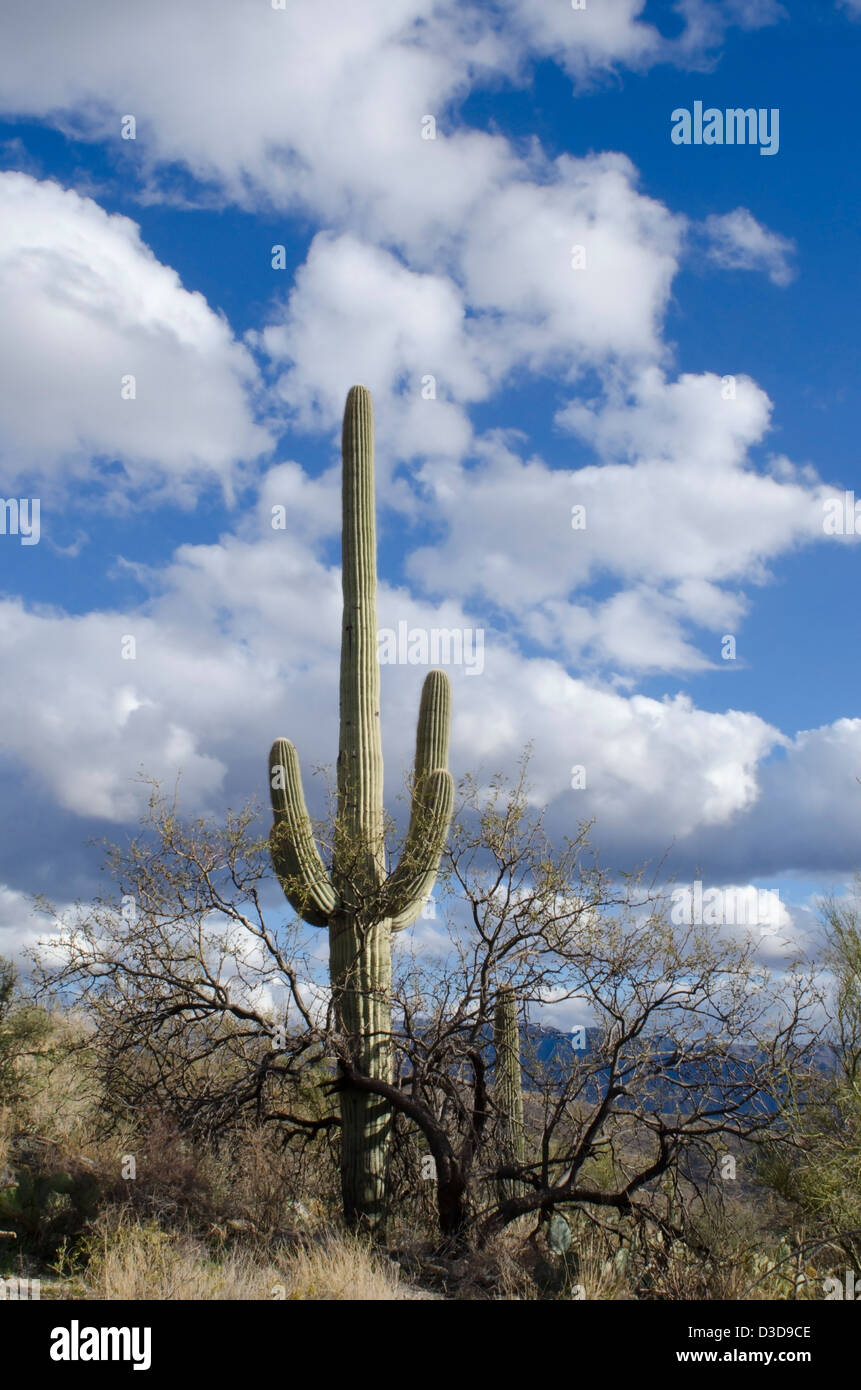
[549, 1052]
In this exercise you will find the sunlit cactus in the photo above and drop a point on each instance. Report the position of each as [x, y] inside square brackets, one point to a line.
[508, 1088]
[356, 900]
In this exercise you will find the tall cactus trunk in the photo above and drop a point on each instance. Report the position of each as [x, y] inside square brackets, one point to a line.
[361, 973]
[360, 955]
[360, 906]
[508, 1089]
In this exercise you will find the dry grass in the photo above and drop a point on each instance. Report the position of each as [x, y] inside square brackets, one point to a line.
[131, 1260]
[63, 1103]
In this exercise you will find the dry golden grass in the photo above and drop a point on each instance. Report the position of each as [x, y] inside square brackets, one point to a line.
[142, 1262]
[63, 1103]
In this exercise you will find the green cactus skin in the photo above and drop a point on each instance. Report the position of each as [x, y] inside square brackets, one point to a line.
[358, 903]
[508, 1087]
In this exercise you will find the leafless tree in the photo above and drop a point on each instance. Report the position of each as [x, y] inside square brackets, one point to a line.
[202, 1003]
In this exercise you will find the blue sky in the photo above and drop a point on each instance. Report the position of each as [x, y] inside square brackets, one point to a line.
[603, 385]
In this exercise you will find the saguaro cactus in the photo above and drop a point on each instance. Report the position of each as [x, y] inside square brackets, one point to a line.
[358, 903]
[508, 1086]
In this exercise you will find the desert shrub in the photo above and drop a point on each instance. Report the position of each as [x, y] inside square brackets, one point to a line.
[45, 1196]
[819, 1169]
[25, 1032]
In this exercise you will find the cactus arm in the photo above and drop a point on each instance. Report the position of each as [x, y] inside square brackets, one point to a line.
[434, 723]
[407, 889]
[295, 855]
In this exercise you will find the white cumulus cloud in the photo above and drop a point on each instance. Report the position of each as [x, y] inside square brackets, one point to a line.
[85, 306]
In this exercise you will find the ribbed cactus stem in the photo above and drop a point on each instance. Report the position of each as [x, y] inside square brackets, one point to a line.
[360, 754]
[508, 1087]
[360, 906]
[360, 963]
[360, 968]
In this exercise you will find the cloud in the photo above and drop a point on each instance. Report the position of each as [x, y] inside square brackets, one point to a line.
[591, 40]
[351, 303]
[237, 643]
[809, 814]
[85, 305]
[655, 769]
[326, 101]
[675, 518]
[736, 241]
[87, 736]
[511, 295]
[579, 264]
[488, 261]
[20, 926]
